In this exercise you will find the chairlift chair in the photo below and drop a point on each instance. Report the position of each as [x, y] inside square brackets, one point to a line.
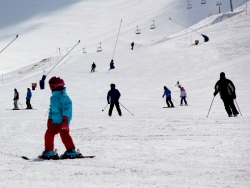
[99, 49]
[84, 51]
[203, 1]
[153, 25]
[189, 6]
[138, 31]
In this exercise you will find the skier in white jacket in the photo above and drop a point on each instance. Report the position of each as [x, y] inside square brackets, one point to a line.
[183, 95]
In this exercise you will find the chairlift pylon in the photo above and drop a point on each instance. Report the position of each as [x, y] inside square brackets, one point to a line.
[138, 31]
[99, 49]
[153, 25]
[189, 6]
[203, 1]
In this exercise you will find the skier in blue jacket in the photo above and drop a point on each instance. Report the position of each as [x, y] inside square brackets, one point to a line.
[28, 98]
[167, 92]
[60, 115]
[113, 99]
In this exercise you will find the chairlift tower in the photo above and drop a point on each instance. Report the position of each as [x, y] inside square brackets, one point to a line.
[231, 5]
[219, 4]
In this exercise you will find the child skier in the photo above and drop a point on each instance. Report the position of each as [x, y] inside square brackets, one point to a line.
[60, 115]
[183, 95]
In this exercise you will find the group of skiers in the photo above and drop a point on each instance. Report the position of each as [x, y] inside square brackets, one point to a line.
[16, 98]
[223, 86]
[60, 111]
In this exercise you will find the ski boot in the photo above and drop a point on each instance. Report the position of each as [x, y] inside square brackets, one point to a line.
[49, 154]
[69, 154]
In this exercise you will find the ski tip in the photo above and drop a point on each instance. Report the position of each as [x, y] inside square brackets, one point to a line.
[26, 158]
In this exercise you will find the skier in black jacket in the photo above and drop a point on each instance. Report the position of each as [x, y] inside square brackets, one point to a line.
[113, 99]
[227, 92]
[15, 99]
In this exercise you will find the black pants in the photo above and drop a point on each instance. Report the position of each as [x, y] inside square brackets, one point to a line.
[93, 70]
[169, 102]
[183, 98]
[229, 106]
[28, 104]
[117, 107]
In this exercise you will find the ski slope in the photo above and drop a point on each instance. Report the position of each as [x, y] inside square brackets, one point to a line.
[154, 147]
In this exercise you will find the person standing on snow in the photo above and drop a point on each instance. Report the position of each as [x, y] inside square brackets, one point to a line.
[113, 99]
[112, 64]
[16, 98]
[132, 45]
[167, 92]
[183, 95]
[60, 115]
[93, 67]
[227, 92]
[28, 98]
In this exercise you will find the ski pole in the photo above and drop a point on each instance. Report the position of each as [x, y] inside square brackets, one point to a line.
[62, 58]
[126, 109]
[210, 106]
[104, 107]
[33, 103]
[47, 112]
[238, 107]
[20, 104]
[9, 43]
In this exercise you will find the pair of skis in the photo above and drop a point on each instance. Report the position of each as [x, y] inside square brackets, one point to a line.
[61, 157]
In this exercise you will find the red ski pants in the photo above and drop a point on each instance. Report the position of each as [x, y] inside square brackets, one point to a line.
[54, 129]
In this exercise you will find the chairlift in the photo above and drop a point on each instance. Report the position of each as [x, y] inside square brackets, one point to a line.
[153, 25]
[138, 31]
[203, 1]
[99, 49]
[189, 6]
[84, 51]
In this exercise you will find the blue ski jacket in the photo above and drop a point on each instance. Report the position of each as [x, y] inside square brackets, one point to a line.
[167, 92]
[29, 95]
[60, 105]
[113, 95]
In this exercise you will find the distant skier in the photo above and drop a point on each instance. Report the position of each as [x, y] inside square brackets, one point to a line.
[93, 67]
[113, 99]
[206, 39]
[60, 115]
[183, 95]
[16, 98]
[112, 64]
[227, 92]
[167, 92]
[28, 98]
[132, 45]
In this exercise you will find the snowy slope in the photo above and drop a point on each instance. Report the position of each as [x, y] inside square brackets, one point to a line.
[155, 147]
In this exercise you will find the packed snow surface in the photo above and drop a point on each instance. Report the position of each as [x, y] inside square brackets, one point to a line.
[148, 146]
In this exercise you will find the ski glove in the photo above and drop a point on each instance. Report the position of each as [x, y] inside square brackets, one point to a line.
[64, 124]
[215, 93]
